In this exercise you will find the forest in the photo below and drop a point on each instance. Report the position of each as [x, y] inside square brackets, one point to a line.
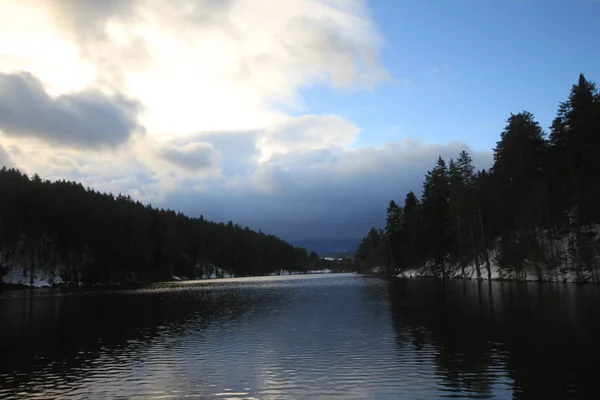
[83, 236]
[534, 215]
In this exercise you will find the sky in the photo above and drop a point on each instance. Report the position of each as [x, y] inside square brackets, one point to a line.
[302, 118]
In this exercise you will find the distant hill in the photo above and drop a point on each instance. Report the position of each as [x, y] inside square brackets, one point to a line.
[337, 248]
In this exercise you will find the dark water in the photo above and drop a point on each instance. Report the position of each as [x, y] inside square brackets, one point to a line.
[316, 337]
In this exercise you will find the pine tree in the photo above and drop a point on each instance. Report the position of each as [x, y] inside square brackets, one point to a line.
[103, 238]
[518, 166]
[463, 208]
[413, 231]
[394, 233]
[575, 139]
[435, 212]
[372, 250]
[538, 192]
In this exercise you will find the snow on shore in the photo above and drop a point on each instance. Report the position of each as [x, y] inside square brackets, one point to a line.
[209, 271]
[320, 271]
[215, 272]
[41, 278]
[496, 273]
[558, 250]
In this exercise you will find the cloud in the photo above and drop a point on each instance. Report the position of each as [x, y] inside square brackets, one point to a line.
[200, 65]
[86, 119]
[324, 41]
[86, 19]
[217, 86]
[323, 194]
[238, 150]
[98, 28]
[308, 132]
[194, 156]
[271, 179]
[320, 194]
[5, 160]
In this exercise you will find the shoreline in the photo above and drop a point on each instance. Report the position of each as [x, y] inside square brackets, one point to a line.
[500, 279]
[134, 285]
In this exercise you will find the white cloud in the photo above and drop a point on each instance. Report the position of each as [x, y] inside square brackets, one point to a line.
[5, 159]
[216, 83]
[208, 65]
[308, 132]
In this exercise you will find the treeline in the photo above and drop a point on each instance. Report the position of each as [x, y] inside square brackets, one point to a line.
[91, 237]
[535, 212]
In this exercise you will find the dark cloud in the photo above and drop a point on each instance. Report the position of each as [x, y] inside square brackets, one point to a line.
[272, 179]
[86, 119]
[323, 194]
[193, 157]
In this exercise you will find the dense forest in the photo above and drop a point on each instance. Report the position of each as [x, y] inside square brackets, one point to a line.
[64, 229]
[533, 215]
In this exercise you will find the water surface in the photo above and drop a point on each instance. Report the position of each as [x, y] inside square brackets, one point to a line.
[338, 336]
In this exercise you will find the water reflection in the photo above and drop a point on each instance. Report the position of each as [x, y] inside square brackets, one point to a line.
[51, 342]
[337, 336]
[536, 340]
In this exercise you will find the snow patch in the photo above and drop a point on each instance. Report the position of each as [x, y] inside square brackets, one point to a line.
[561, 251]
[281, 272]
[214, 272]
[409, 273]
[23, 277]
[319, 271]
[566, 256]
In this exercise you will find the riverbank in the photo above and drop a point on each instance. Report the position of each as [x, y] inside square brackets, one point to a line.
[560, 274]
[18, 279]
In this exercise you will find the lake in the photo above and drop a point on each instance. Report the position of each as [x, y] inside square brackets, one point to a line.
[335, 336]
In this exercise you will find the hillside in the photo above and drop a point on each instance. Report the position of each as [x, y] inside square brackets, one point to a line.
[53, 232]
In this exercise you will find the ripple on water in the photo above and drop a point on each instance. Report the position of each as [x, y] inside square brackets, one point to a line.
[344, 337]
